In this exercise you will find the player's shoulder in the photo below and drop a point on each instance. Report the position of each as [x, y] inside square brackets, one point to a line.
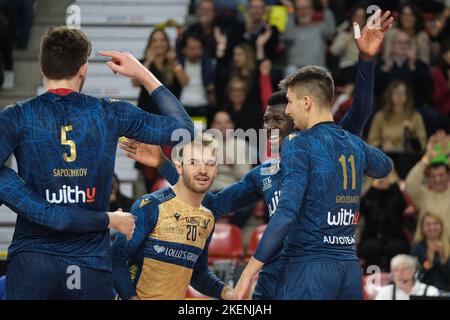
[113, 102]
[297, 139]
[155, 198]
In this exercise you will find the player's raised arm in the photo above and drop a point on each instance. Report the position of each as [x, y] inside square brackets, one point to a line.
[134, 122]
[295, 163]
[122, 251]
[20, 198]
[378, 164]
[368, 43]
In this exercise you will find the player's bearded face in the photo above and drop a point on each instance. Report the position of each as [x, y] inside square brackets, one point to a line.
[199, 169]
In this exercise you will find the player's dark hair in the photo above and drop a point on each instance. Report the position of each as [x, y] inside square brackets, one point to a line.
[278, 99]
[311, 80]
[63, 51]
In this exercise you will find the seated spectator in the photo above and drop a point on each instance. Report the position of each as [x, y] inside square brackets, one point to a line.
[382, 209]
[256, 25]
[205, 14]
[431, 194]
[403, 64]
[441, 79]
[344, 47]
[432, 249]
[406, 284]
[197, 95]
[161, 60]
[411, 22]
[6, 50]
[306, 39]
[117, 200]
[245, 113]
[233, 160]
[398, 127]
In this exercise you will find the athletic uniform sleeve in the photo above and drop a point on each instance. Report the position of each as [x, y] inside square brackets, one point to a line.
[233, 197]
[122, 251]
[378, 164]
[21, 199]
[150, 128]
[295, 164]
[203, 279]
[169, 172]
[9, 131]
[361, 109]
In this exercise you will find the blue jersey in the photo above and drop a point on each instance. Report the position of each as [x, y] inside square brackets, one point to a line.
[323, 169]
[65, 147]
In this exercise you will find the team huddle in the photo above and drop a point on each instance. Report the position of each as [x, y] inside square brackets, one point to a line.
[65, 145]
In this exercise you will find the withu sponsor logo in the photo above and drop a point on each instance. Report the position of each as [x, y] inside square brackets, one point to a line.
[71, 195]
[343, 218]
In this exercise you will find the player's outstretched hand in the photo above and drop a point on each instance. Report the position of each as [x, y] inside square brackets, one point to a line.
[146, 154]
[125, 64]
[370, 39]
[242, 289]
[123, 222]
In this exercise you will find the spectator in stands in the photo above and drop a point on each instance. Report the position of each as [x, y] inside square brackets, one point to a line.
[255, 26]
[161, 60]
[433, 194]
[440, 29]
[404, 64]
[117, 200]
[406, 284]
[235, 152]
[398, 127]
[6, 46]
[246, 114]
[411, 22]
[243, 66]
[432, 249]
[344, 48]
[441, 79]
[382, 208]
[204, 26]
[198, 95]
[305, 38]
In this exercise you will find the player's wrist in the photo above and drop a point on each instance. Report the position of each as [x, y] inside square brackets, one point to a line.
[365, 57]
[226, 293]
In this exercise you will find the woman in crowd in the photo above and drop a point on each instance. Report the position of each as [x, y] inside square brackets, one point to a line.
[432, 249]
[412, 22]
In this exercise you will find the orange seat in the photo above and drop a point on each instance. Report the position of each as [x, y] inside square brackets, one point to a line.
[255, 237]
[372, 284]
[226, 243]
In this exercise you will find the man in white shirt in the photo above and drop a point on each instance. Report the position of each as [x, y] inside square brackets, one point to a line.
[196, 94]
[403, 268]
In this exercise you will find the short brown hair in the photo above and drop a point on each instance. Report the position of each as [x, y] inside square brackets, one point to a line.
[63, 51]
[316, 81]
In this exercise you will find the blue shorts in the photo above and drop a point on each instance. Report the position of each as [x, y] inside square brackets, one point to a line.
[319, 279]
[266, 287]
[36, 276]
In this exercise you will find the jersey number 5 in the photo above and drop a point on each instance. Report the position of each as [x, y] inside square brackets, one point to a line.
[351, 159]
[70, 143]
